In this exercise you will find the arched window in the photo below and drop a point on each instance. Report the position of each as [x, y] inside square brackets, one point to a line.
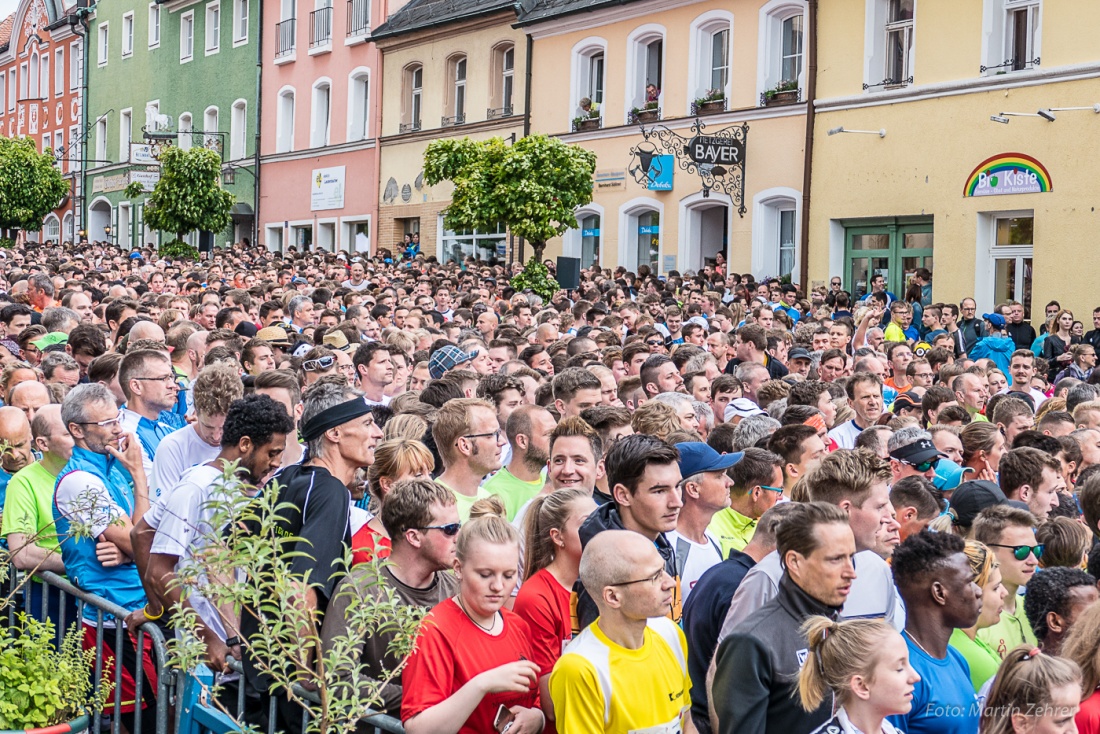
[645, 70]
[454, 104]
[211, 139]
[238, 130]
[502, 81]
[711, 58]
[184, 132]
[587, 79]
[284, 122]
[319, 122]
[359, 104]
[412, 98]
[781, 61]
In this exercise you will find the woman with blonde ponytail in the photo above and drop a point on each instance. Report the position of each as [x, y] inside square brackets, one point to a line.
[551, 566]
[863, 663]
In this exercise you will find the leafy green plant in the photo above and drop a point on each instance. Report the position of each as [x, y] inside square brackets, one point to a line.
[189, 195]
[133, 190]
[44, 686]
[789, 85]
[711, 95]
[7, 243]
[536, 278]
[178, 250]
[532, 187]
[31, 185]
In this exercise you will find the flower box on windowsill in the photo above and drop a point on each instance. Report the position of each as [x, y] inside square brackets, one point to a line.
[651, 114]
[778, 98]
[584, 125]
[712, 107]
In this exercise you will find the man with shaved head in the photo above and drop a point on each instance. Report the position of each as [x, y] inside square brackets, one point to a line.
[29, 397]
[146, 330]
[15, 432]
[631, 640]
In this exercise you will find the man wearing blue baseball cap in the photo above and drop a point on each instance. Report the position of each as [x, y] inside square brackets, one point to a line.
[447, 358]
[994, 345]
[705, 489]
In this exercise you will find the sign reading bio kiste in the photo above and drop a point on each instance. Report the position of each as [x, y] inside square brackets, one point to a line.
[326, 189]
[1008, 173]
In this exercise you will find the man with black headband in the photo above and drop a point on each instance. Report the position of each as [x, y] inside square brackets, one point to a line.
[340, 436]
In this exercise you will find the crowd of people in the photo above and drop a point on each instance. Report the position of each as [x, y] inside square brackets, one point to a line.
[692, 502]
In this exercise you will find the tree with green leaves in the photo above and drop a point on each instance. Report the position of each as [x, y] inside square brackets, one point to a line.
[30, 184]
[189, 195]
[533, 186]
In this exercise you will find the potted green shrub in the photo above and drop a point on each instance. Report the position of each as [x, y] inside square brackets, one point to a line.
[784, 93]
[713, 102]
[590, 121]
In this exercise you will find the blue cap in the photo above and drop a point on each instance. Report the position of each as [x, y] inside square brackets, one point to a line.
[996, 319]
[697, 457]
[446, 358]
[950, 475]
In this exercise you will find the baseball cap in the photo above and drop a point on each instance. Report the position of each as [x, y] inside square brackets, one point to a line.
[917, 452]
[274, 335]
[972, 497]
[447, 358]
[741, 408]
[996, 319]
[949, 475]
[51, 339]
[336, 340]
[697, 457]
[247, 329]
[905, 401]
[798, 353]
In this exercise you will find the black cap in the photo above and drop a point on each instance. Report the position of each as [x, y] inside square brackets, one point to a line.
[798, 353]
[905, 401]
[972, 497]
[919, 451]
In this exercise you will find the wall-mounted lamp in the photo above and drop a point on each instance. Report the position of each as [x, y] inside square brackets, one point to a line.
[1093, 108]
[1046, 113]
[837, 130]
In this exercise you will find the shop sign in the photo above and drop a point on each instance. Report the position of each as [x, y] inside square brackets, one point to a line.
[610, 180]
[142, 155]
[717, 151]
[590, 233]
[660, 173]
[148, 179]
[1008, 173]
[327, 189]
[107, 184]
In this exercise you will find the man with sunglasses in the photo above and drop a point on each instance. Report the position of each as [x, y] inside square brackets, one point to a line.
[913, 454]
[1010, 532]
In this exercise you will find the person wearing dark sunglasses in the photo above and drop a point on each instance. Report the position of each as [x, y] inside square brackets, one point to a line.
[1010, 532]
[912, 453]
[421, 518]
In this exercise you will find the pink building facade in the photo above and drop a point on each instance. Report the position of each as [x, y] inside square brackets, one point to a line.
[319, 125]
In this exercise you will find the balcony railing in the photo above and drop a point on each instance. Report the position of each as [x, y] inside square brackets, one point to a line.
[409, 127]
[320, 27]
[284, 37]
[358, 18]
[494, 114]
[452, 121]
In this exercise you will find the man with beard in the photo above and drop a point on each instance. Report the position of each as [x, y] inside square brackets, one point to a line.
[528, 430]
[173, 533]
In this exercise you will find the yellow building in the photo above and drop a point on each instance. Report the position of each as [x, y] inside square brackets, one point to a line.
[747, 56]
[982, 171]
[452, 69]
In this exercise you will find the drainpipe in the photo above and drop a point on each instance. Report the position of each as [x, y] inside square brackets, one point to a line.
[807, 166]
[527, 88]
[259, 117]
[82, 20]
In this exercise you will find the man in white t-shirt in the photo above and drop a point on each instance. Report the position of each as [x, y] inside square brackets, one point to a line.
[216, 387]
[168, 539]
[705, 489]
[374, 369]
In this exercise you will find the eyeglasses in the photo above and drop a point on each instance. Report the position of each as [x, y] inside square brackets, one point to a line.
[103, 424]
[450, 529]
[924, 465]
[318, 365]
[655, 343]
[495, 434]
[163, 378]
[777, 490]
[1021, 552]
[654, 579]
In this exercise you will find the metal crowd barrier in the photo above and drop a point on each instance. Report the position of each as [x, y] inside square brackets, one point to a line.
[188, 694]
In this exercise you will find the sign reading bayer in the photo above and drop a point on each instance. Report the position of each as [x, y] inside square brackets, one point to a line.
[704, 149]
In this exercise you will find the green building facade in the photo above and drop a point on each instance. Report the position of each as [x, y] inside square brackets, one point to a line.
[185, 73]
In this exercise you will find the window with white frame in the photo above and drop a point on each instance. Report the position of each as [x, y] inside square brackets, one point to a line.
[502, 91]
[1005, 254]
[899, 42]
[645, 68]
[1011, 35]
[712, 57]
[47, 142]
[101, 141]
[240, 21]
[128, 34]
[76, 65]
[3, 90]
[211, 140]
[238, 130]
[184, 128]
[59, 147]
[780, 53]
[358, 104]
[187, 36]
[284, 122]
[154, 25]
[413, 97]
[588, 77]
[53, 228]
[320, 113]
[23, 72]
[213, 27]
[457, 246]
[44, 77]
[67, 227]
[775, 234]
[32, 89]
[58, 71]
[790, 59]
[104, 38]
[455, 107]
[125, 134]
[76, 151]
[13, 87]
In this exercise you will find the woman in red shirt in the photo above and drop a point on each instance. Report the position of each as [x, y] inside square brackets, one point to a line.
[471, 671]
[552, 565]
[394, 461]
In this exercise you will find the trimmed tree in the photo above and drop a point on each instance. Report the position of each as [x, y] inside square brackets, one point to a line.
[533, 186]
[30, 185]
[189, 195]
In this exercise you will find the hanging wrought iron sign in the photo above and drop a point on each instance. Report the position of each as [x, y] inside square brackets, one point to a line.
[717, 157]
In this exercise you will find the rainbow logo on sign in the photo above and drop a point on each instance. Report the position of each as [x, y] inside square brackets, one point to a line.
[1008, 173]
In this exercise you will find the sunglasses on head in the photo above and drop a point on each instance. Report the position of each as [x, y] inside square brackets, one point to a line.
[318, 365]
[1021, 552]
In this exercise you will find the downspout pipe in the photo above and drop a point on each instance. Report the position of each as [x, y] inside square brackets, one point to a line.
[259, 118]
[807, 166]
[82, 15]
[527, 87]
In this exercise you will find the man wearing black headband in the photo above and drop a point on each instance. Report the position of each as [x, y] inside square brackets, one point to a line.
[340, 436]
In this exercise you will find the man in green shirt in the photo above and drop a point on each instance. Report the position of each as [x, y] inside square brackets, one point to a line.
[469, 440]
[757, 486]
[1010, 532]
[528, 430]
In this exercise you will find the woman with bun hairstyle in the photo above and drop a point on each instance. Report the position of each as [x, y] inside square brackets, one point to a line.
[1033, 693]
[982, 659]
[864, 663]
[983, 446]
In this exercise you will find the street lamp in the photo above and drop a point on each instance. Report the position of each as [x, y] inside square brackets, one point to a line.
[107, 230]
